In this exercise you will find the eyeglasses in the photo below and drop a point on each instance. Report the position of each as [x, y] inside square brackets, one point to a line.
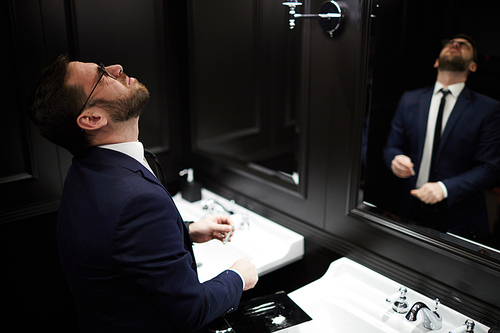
[101, 68]
[462, 45]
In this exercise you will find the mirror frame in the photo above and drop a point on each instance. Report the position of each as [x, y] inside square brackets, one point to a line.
[466, 249]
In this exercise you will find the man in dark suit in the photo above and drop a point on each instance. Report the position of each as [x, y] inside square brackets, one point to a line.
[444, 187]
[125, 250]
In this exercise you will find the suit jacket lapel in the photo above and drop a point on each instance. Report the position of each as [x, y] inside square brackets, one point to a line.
[463, 101]
[127, 162]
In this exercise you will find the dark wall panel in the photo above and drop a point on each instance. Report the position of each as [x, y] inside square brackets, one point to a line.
[30, 180]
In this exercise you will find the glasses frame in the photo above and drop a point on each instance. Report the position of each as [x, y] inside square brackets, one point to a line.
[461, 44]
[103, 70]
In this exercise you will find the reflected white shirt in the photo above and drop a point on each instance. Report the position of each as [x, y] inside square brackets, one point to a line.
[451, 99]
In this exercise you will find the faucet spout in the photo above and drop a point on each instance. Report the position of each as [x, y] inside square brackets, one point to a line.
[431, 319]
[217, 207]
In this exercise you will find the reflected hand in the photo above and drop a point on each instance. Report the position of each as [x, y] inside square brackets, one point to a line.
[429, 193]
[402, 166]
[212, 227]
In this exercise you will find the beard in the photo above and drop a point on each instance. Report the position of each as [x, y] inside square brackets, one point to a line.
[453, 64]
[124, 109]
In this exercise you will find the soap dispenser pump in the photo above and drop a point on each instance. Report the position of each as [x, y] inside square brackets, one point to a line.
[190, 189]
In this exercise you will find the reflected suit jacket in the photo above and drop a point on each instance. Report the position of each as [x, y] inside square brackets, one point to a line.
[127, 254]
[468, 159]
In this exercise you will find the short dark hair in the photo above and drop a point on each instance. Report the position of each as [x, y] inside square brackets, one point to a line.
[56, 106]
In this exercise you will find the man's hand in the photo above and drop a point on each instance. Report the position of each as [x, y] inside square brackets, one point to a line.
[212, 227]
[402, 166]
[429, 193]
[247, 271]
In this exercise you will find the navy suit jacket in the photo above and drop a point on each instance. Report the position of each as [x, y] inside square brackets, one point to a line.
[127, 254]
[468, 159]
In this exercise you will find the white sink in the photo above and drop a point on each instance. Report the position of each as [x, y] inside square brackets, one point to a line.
[267, 244]
[352, 298]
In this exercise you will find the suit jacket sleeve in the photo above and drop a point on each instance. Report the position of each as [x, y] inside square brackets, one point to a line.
[148, 245]
[398, 142]
[468, 170]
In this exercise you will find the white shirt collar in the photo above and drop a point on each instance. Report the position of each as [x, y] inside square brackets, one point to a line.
[132, 149]
[455, 89]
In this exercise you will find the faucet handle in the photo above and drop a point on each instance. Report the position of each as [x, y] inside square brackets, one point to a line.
[398, 300]
[469, 323]
[391, 298]
[467, 327]
[437, 304]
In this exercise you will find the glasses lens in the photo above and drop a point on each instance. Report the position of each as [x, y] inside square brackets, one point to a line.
[104, 71]
[101, 69]
[461, 44]
[464, 45]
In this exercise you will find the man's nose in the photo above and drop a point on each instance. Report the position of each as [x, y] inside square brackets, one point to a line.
[115, 70]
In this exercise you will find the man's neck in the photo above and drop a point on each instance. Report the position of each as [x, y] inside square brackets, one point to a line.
[447, 78]
[115, 133]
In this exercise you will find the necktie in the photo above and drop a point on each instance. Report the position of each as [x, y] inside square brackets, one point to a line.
[437, 134]
[155, 166]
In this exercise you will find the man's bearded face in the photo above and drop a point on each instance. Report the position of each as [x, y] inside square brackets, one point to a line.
[454, 63]
[126, 108]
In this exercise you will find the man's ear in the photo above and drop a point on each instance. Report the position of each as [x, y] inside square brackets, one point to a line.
[472, 66]
[92, 119]
[436, 63]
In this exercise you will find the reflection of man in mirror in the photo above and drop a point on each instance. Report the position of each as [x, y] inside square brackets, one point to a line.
[447, 170]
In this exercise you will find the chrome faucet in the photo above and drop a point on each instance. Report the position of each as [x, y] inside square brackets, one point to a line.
[217, 207]
[398, 300]
[467, 327]
[432, 320]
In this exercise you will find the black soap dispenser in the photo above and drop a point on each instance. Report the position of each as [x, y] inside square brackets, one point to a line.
[190, 190]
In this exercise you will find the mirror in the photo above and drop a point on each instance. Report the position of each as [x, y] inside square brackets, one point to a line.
[244, 79]
[405, 40]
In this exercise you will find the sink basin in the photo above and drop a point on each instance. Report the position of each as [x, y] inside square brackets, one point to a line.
[267, 244]
[352, 298]
[332, 316]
